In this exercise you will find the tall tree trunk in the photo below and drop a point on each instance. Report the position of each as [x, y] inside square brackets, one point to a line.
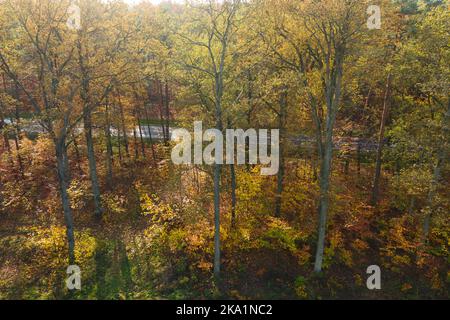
[359, 151]
[5, 135]
[324, 182]
[167, 112]
[3, 124]
[109, 148]
[6, 142]
[87, 121]
[217, 177]
[17, 136]
[135, 142]
[124, 128]
[377, 176]
[98, 210]
[332, 97]
[141, 137]
[279, 196]
[217, 253]
[18, 126]
[119, 143]
[161, 107]
[62, 169]
[280, 177]
[233, 195]
[152, 144]
[137, 116]
[161, 112]
[19, 157]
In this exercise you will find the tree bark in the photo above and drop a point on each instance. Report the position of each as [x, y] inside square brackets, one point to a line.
[6, 139]
[98, 210]
[135, 141]
[62, 170]
[217, 253]
[152, 144]
[87, 121]
[324, 182]
[109, 148]
[161, 112]
[124, 128]
[17, 138]
[167, 112]
[280, 177]
[119, 143]
[233, 195]
[141, 137]
[377, 176]
[333, 87]
[217, 174]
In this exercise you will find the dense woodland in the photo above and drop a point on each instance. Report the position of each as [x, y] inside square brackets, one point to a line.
[364, 119]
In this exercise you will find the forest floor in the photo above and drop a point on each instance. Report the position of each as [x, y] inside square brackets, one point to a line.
[156, 240]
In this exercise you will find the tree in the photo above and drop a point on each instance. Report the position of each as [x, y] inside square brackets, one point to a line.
[318, 54]
[209, 35]
[427, 56]
[49, 49]
[101, 42]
